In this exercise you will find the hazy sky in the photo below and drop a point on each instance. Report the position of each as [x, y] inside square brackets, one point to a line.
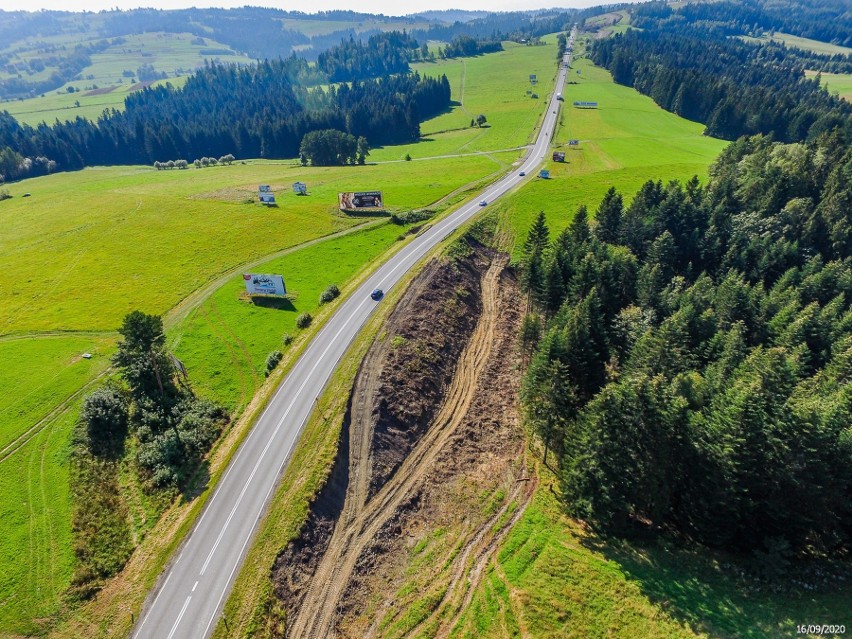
[388, 7]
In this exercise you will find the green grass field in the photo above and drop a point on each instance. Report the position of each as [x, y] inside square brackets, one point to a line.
[36, 546]
[836, 83]
[623, 143]
[39, 374]
[225, 341]
[555, 579]
[494, 85]
[128, 238]
[802, 43]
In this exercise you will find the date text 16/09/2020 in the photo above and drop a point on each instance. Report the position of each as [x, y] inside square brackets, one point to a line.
[820, 629]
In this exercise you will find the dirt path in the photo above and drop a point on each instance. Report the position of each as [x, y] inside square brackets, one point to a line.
[470, 566]
[361, 521]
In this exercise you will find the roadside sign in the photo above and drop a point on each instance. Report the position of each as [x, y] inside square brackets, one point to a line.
[264, 284]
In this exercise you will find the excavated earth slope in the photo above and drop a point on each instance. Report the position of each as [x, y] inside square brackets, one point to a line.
[430, 456]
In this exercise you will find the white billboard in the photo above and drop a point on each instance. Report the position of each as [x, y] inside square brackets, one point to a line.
[264, 284]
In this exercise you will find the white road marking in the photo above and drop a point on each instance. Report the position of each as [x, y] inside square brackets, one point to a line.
[180, 616]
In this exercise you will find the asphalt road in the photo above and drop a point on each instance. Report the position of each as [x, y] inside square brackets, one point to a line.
[188, 599]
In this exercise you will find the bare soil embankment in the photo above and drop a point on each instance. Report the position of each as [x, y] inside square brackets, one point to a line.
[430, 455]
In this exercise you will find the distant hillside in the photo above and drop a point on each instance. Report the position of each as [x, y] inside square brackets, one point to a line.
[449, 16]
[44, 51]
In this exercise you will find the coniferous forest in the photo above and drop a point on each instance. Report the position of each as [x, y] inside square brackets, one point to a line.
[691, 356]
[261, 110]
[689, 62]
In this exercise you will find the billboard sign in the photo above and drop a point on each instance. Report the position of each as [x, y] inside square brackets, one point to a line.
[559, 156]
[544, 173]
[586, 105]
[360, 200]
[532, 77]
[264, 188]
[264, 284]
[266, 198]
[300, 188]
[573, 142]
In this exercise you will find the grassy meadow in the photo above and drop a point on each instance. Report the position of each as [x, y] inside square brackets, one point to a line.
[41, 373]
[836, 83]
[36, 553]
[494, 85]
[626, 141]
[556, 579]
[225, 341]
[126, 238]
[801, 43]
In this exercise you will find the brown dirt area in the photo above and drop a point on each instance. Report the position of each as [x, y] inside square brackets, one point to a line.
[429, 473]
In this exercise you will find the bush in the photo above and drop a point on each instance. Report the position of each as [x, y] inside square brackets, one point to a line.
[304, 320]
[330, 293]
[105, 417]
[4, 194]
[272, 361]
[411, 217]
[172, 446]
[287, 339]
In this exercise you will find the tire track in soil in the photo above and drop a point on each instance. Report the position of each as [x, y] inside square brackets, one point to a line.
[360, 522]
[470, 566]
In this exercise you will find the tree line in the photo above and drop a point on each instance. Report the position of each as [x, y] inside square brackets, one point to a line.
[733, 87]
[823, 20]
[252, 111]
[690, 353]
[382, 54]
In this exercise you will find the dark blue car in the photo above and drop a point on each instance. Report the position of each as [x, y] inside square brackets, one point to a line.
[377, 294]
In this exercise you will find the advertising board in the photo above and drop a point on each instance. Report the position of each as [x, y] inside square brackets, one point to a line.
[360, 200]
[264, 284]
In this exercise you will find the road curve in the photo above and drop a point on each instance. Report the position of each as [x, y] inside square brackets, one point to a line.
[189, 595]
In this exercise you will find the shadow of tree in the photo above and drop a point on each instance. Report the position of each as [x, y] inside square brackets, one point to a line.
[199, 482]
[712, 592]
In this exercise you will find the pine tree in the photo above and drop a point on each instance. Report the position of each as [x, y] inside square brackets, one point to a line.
[608, 217]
